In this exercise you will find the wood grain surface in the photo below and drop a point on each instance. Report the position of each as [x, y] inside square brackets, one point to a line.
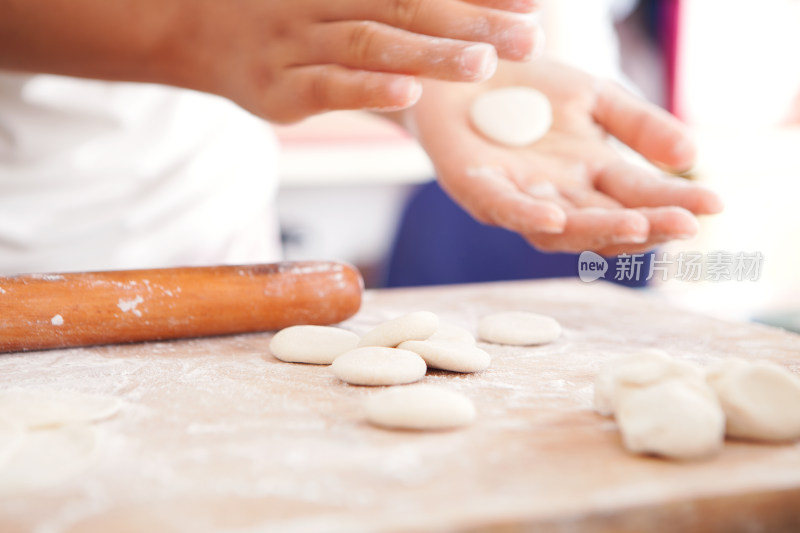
[218, 435]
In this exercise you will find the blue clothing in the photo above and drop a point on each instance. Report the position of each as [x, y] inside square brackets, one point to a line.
[437, 242]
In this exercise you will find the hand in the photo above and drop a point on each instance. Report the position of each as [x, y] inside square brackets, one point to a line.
[281, 59]
[286, 59]
[571, 190]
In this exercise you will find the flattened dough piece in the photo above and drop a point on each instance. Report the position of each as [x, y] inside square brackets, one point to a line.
[379, 365]
[636, 370]
[673, 419]
[448, 355]
[419, 407]
[415, 326]
[761, 400]
[318, 345]
[11, 434]
[518, 328]
[37, 408]
[512, 116]
[48, 457]
[452, 333]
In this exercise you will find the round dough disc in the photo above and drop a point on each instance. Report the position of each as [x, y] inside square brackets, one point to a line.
[448, 355]
[379, 365]
[518, 328]
[318, 345]
[414, 326]
[451, 333]
[35, 408]
[512, 116]
[419, 407]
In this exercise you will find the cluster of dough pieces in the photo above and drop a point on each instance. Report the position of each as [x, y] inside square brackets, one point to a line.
[400, 351]
[681, 410]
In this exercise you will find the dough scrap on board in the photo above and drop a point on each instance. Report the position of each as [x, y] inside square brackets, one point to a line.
[48, 457]
[37, 408]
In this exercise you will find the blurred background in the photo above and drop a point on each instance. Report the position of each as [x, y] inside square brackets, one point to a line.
[359, 189]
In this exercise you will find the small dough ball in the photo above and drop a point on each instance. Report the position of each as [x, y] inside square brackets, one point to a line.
[379, 365]
[38, 408]
[761, 400]
[419, 407]
[413, 326]
[518, 328]
[453, 356]
[638, 369]
[512, 116]
[451, 333]
[318, 345]
[672, 419]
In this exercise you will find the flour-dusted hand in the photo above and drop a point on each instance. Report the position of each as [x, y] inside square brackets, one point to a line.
[287, 59]
[571, 190]
[281, 59]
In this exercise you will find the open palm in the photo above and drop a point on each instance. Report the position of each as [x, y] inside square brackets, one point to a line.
[573, 189]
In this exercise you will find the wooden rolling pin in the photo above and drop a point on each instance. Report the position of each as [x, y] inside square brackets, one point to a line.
[39, 311]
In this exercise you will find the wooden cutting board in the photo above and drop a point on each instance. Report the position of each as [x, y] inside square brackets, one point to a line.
[217, 435]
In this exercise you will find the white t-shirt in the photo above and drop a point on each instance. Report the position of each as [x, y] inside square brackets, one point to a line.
[100, 175]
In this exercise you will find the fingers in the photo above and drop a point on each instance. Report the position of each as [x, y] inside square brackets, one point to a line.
[616, 231]
[523, 214]
[517, 6]
[513, 36]
[306, 91]
[586, 197]
[487, 194]
[377, 47]
[646, 128]
[666, 224]
[669, 223]
[595, 229]
[634, 186]
[545, 191]
[603, 225]
[538, 176]
[600, 223]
